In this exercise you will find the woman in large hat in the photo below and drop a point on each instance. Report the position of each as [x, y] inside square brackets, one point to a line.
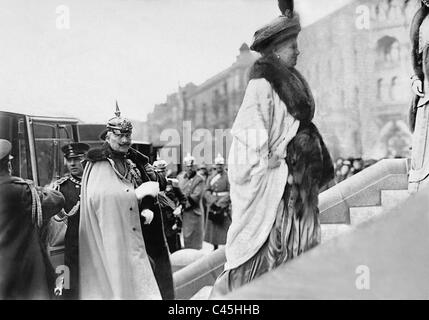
[276, 163]
[419, 114]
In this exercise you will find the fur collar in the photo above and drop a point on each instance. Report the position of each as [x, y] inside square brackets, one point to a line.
[288, 83]
[104, 152]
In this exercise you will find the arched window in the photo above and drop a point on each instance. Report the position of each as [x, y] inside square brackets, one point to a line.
[388, 49]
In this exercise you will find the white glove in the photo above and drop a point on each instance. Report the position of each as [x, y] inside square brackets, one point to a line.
[177, 211]
[150, 188]
[148, 216]
[417, 87]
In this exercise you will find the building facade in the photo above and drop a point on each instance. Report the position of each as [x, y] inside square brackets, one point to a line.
[357, 61]
[197, 112]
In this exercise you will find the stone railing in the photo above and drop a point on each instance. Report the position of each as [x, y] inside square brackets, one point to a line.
[361, 190]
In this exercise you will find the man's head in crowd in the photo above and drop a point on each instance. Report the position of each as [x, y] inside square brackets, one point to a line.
[73, 155]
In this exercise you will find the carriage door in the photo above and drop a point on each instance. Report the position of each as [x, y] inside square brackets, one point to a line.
[12, 128]
[49, 137]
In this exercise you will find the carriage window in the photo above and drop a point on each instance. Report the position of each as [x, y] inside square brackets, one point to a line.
[46, 150]
[49, 138]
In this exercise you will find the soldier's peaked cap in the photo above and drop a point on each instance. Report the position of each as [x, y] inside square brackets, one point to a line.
[75, 150]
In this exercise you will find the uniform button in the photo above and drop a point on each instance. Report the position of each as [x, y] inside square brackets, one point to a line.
[131, 209]
[134, 229]
[127, 190]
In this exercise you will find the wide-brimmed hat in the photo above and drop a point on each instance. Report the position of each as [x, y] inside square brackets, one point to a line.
[280, 29]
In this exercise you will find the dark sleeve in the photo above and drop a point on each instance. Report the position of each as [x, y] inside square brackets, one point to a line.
[180, 196]
[162, 180]
[52, 202]
[328, 166]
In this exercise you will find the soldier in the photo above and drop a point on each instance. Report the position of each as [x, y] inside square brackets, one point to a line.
[218, 204]
[123, 252]
[172, 200]
[25, 271]
[192, 186]
[69, 186]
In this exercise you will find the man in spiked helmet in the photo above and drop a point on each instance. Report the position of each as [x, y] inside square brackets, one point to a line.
[122, 248]
[218, 205]
[192, 186]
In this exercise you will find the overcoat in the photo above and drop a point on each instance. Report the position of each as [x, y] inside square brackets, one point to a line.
[25, 271]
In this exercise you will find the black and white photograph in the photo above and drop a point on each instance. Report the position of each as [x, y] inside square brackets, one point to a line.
[214, 154]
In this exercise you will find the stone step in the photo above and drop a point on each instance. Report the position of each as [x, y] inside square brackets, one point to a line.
[330, 231]
[361, 214]
[392, 198]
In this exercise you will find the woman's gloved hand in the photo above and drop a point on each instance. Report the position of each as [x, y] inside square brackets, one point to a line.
[148, 216]
[150, 188]
[274, 161]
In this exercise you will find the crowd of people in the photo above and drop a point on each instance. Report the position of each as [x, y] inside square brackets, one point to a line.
[345, 168]
[196, 204]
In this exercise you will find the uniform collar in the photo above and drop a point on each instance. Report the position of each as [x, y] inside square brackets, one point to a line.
[74, 179]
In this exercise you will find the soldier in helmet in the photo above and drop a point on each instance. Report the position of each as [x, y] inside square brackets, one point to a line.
[172, 200]
[25, 271]
[192, 186]
[123, 253]
[218, 204]
[69, 185]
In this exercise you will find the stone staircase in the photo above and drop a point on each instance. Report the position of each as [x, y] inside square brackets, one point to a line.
[371, 193]
[389, 200]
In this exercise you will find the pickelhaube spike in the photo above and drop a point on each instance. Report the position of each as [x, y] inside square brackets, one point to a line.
[117, 112]
[119, 125]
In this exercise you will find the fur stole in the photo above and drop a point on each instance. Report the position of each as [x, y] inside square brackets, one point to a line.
[288, 83]
[104, 152]
[310, 164]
